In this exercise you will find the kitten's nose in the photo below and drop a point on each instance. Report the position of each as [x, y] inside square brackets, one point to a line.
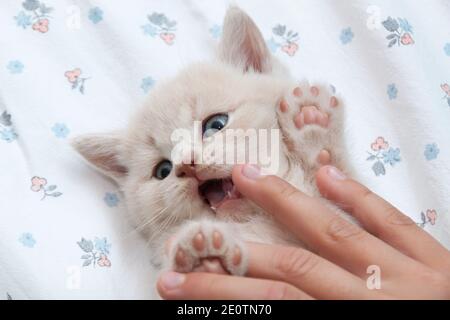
[186, 170]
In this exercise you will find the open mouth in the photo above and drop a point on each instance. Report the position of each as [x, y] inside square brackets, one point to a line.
[216, 192]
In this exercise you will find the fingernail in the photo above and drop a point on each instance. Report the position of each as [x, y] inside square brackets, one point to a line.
[335, 174]
[172, 280]
[251, 171]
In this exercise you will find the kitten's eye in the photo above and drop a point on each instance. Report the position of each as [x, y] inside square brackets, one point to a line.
[214, 123]
[163, 169]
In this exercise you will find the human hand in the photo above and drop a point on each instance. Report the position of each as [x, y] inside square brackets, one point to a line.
[413, 264]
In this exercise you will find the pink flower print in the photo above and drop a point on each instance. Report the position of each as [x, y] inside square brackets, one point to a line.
[379, 144]
[73, 75]
[284, 39]
[431, 216]
[160, 25]
[37, 183]
[41, 25]
[446, 88]
[167, 37]
[407, 39]
[103, 261]
[290, 48]
[428, 216]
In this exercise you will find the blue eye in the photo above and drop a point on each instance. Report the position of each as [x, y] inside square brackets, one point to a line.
[163, 169]
[214, 123]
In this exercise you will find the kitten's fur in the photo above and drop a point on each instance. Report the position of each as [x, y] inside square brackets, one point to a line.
[246, 82]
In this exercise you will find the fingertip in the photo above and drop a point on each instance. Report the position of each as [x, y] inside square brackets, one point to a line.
[236, 172]
[321, 178]
[246, 173]
[161, 290]
[165, 295]
[321, 172]
[169, 284]
[328, 178]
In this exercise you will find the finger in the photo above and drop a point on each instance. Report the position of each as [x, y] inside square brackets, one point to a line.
[307, 271]
[382, 219]
[209, 286]
[317, 225]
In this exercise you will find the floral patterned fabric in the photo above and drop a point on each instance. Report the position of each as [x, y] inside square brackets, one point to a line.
[71, 67]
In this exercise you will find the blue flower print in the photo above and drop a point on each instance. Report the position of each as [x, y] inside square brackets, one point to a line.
[111, 199]
[391, 156]
[36, 14]
[150, 30]
[27, 240]
[60, 130]
[404, 25]
[447, 49]
[216, 31]
[400, 32]
[346, 35]
[392, 91]
[7, 132]
[147, 83]
[286, 40]
[102, 245]
[160, 24]
[23, 20]
[273, 45]
[8, 135]
[31, 5]
[15, 67]
[95, 15]
[95, 253]
[382, 153]
[431, 151]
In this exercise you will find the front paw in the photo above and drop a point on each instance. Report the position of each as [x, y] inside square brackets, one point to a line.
[208, 247]
[310, 118]
[310, 106]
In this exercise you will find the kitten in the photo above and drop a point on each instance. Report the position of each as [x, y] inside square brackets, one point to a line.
[195, 203]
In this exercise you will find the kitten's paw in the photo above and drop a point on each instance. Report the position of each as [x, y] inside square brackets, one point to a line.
[311, 120]
[309, 105]
[208, 247]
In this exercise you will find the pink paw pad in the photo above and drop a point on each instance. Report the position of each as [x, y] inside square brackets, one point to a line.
[324, 157]
[333, 102]
[284, 107]
[297, 92]
[314, 91]
[311, 115]
[201, 259]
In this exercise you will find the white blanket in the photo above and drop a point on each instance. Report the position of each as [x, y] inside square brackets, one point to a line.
[84, 66]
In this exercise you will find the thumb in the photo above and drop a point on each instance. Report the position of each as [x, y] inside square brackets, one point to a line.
[269, 192]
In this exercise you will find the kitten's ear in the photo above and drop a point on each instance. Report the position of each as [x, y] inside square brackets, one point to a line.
[242, 44]
[103, 151]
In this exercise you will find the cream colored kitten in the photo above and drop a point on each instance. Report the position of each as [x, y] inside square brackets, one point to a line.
[193, 203]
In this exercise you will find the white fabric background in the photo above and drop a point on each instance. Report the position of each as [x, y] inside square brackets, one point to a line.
[116, 54]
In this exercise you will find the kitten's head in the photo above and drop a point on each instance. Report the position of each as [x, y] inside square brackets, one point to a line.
[240, 91]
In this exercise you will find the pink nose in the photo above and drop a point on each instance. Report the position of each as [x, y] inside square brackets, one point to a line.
[186, 170]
